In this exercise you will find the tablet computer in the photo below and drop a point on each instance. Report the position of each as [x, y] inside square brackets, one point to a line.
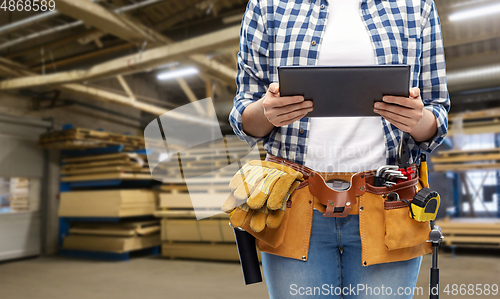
[344, 90]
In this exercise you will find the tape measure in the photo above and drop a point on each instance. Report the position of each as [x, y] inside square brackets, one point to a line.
[425, 205]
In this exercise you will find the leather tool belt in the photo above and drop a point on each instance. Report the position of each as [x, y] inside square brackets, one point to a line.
[337, 203]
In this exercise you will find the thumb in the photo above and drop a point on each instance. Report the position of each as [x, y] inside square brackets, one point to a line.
[415, 92]
[274, 88]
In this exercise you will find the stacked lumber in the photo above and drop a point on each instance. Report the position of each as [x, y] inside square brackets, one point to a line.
[108, 203]
[477, 122]
[220, 158]
[211, 239]
[471, 232]
[100, 199]
[19, 194]
[461, 160]
[183, 236]
[79, 138]
[113, 237]
[125, 166]
[203, 180]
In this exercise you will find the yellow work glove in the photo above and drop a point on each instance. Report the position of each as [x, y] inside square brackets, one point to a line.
[259, 192]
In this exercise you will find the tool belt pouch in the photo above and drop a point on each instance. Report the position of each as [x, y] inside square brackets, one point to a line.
[260, 200]
[388, 233]
[297, 210]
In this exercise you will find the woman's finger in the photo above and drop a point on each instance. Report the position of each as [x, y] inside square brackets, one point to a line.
[293, 120]
[273, 101]
[398, 124]
[395, 109]
[294, 107]
[410, 122]
[293, 116]
[274, 88]
[415, 92]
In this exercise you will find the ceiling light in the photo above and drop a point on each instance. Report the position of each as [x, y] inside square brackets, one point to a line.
[177, 73]
[172, 64]
[475, 12]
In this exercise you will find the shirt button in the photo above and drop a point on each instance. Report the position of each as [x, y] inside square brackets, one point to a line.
[322, 6]
[313, 43]
[301, 131]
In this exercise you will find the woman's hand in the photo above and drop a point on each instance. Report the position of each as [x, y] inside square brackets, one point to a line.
[408, 115]
[282, 111]
[262, 116]
[407, 112]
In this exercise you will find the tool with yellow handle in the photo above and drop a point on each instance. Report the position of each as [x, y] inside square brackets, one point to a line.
[425, 204]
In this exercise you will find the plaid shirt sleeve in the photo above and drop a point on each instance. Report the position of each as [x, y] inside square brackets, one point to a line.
[432, 81]
[253, 63]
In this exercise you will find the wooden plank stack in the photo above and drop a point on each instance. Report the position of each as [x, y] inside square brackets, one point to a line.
[471, 232]
[19, 194]
[113, 237]
[477, 122]
[125, 166]
[462, 160]
[182, 235]
[79, 138]
[108, 203]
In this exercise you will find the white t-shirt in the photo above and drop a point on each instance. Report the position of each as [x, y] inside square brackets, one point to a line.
[345, 144]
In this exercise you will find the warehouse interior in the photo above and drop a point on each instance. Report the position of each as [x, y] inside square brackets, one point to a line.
[81, 213]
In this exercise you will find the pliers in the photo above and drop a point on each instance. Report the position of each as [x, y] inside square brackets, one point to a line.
[403, 160]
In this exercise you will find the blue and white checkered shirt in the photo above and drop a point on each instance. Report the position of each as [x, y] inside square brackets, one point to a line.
[280, 32]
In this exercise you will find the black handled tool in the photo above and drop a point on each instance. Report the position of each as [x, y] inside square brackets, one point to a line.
[435, 236]
[248, 256]
[403, 160]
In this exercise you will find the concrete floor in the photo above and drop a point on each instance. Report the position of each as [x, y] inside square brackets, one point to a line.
[151, 278]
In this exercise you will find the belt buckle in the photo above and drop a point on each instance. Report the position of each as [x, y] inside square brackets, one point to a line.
[346, 209]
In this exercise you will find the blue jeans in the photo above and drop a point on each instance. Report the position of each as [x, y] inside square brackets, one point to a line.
[333, 268]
